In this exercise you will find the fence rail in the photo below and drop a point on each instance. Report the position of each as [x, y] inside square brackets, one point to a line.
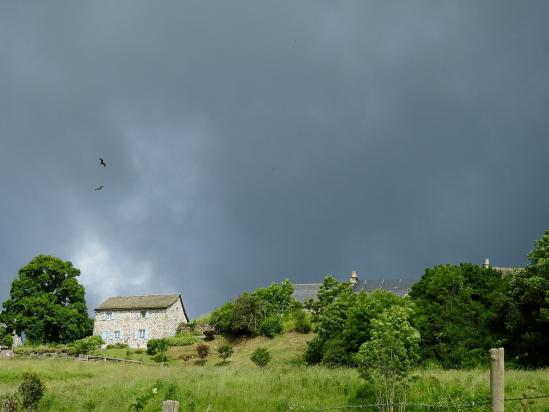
[107, 358]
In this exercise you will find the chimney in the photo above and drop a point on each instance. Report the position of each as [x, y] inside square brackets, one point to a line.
[486, 263]
[354, 278]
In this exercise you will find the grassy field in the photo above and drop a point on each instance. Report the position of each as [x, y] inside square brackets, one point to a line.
[285, 385]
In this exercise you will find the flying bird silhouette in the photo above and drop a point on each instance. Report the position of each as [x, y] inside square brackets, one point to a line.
[102, 162]
[99, 188]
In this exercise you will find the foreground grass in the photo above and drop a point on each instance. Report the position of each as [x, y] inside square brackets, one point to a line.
[285, 385]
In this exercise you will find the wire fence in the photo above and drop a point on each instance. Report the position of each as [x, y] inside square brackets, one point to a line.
[465, 406]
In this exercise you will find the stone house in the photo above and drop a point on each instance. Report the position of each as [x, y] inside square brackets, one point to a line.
[134, 320]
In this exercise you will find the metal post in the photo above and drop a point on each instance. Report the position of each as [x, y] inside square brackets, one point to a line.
[497, 379]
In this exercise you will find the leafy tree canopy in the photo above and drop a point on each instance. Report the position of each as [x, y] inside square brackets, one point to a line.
[527, 322]
[388, 357]
[260, 312]
[343, 320]
[47, 302]
[458, 313]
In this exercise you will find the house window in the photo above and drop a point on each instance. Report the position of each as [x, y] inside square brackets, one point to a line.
[141, 333]
[109, 315]
[117, 334]
[143, 314]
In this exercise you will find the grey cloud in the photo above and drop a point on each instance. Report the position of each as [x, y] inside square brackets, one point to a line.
[247, 142]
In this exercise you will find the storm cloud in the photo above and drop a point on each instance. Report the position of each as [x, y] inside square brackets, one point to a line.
[247, 142]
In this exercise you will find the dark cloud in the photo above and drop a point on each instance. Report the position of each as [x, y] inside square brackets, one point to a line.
[250, 142]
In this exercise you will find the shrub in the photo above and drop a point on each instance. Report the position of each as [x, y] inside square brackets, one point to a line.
[222, 318]
[86, 345]
[157, 345]
[458, 309]
[261, 357]
[313, 354]
[271, 326]
[117, 346]
[5, 338]
[8, 403]
[209, 333]
[182, 340]
[302, 321]
[387, 359]
[202, 349]
[160, 357]
[31, 390]
[335, 353]
[225, 351]
[186, 328]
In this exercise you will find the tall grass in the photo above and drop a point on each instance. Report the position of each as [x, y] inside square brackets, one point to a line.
[286, 384]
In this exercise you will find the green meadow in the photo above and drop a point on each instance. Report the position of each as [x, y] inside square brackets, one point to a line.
[286, 384]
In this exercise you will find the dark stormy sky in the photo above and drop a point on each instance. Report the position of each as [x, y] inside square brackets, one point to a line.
[250, 141]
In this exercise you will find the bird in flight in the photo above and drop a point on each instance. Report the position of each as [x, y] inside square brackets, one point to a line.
[102, 162]
[99, 188]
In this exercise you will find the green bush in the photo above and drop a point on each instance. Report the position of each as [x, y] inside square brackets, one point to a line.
[314, 352]
[271, 326]
[186, 328]
[31, 390]
[261, 357]
[9, 402]
[302, 321]
[202, 349]
[157, 345]
[255, 313]
[182, 340]
[225, 351]
[458, 309]
[160, 357]
[335, 353]
[5, 338]
[117, 346]
[86, 345]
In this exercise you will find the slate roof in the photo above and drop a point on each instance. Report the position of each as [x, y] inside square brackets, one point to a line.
[304, 291]
[507, 271]
[139, 302]
[400, 287]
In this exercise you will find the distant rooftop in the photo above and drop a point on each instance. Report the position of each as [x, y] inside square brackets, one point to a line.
[401, 287]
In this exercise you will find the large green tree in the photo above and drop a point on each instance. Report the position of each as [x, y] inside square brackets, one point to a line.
[458, 313]
[47, 302]
[527, 320]
[343, 320]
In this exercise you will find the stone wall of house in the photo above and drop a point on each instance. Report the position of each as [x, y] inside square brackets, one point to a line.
[136, 327]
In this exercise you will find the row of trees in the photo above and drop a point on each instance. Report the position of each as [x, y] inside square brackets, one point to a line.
[261, 312]
[460, 311]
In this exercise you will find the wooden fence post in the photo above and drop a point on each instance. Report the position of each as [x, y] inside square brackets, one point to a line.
[170, 406]
[497, 380]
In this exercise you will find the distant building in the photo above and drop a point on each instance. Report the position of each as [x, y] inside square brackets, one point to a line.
[505, 271]
[401, 287]
[134, 320]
